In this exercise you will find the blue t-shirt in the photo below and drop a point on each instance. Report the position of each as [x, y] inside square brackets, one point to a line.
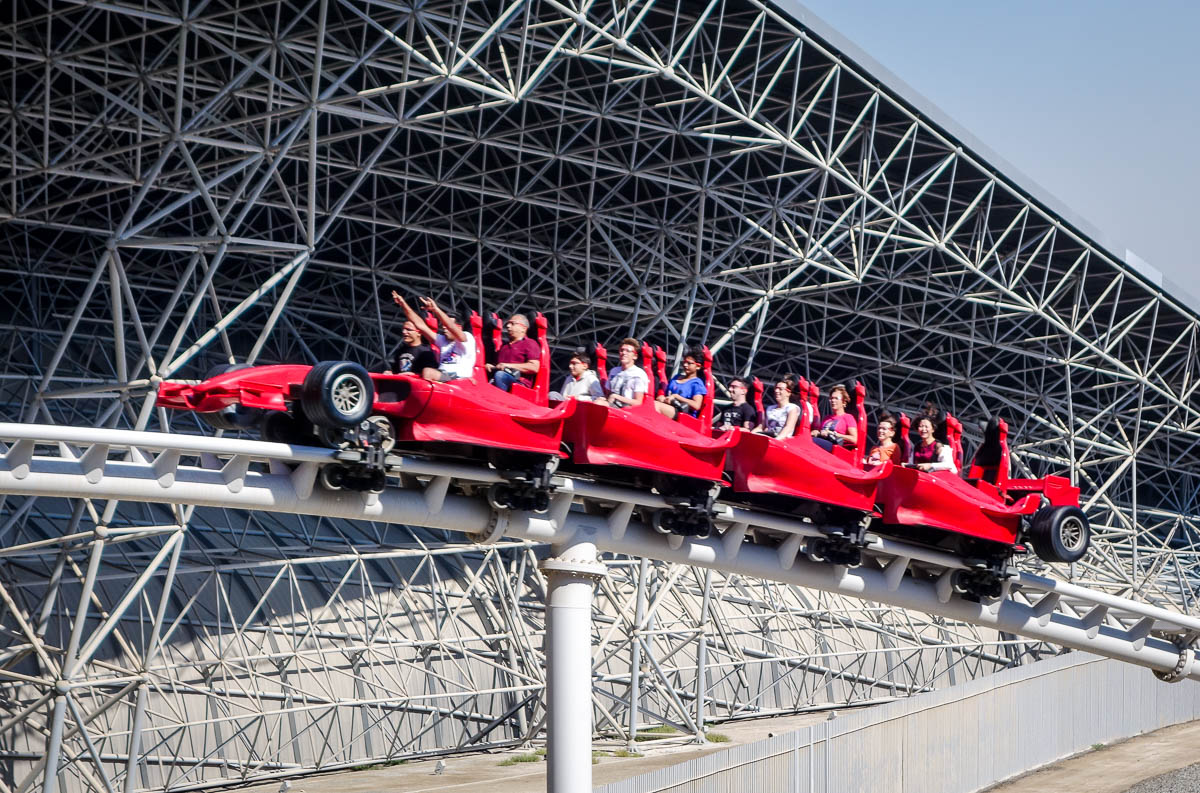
[689, 388]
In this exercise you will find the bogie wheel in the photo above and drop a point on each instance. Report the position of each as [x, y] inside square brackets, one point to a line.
[500, 496]
[333, 477]
[385, 431]
[664, 521]
[1060, 534]
[815, 549]
[337, 394]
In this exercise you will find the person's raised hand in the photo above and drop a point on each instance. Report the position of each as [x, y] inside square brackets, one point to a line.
[397, 299]
[427, 303]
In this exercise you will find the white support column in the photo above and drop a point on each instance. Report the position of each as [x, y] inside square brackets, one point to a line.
[571, 576]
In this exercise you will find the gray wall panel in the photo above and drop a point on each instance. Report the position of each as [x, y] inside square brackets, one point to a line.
[957, 740]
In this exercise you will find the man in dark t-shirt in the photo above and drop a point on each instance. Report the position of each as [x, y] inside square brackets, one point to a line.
[519, 360]
[739, 414]
[413, 356]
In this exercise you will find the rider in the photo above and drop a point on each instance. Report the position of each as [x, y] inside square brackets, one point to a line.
[931, 454]
[455, 349]
[413, 355]
[739, 414]
[839, 428]
[581, 383]
[519, 358]
[628, 385]
[887, 447]
[780, 419]
[685, 391]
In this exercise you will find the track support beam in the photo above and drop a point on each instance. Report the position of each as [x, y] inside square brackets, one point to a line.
[571, 576]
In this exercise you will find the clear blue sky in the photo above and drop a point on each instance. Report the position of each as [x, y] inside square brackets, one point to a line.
[1098, 102]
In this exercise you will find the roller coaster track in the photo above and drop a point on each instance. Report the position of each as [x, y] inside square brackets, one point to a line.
[49, 460]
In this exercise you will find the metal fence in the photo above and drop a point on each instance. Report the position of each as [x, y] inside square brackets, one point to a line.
[957, 740]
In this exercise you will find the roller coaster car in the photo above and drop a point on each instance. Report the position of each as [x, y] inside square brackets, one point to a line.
[367, 415]
[985, 516]
[796, 475]
[639, 446]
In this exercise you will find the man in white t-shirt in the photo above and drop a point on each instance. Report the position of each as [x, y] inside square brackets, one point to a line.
[629, 384]
[454, 347]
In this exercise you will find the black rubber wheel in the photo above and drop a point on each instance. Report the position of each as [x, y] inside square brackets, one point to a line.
[500, 496]
[280, 427]
[333, 477]
[337, 394]
[816, 549]
[1060, 534]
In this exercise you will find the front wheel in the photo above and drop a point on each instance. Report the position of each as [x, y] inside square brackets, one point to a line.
[280, 427]
[337, 394]
[1060, 534]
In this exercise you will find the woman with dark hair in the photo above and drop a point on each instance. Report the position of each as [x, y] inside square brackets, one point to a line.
[931, 454]
[780, 419]
[685, 391]
[839, 428]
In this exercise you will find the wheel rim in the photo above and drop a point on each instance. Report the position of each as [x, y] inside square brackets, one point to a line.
[347, 394]
[1073, 534]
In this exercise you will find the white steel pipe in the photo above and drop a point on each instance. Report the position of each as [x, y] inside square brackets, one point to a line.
[571, 577]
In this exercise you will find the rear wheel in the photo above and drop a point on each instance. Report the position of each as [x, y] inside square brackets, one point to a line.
[1060, 534]
[337, 394]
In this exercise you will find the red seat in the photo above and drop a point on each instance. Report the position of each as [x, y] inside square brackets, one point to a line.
[807, 416]
[758, 403]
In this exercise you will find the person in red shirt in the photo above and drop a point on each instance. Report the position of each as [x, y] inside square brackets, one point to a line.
[519, 359]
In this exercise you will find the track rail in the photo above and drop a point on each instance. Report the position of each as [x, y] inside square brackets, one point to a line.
[57, 461]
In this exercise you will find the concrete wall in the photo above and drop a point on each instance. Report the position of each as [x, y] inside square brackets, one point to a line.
[956, 740]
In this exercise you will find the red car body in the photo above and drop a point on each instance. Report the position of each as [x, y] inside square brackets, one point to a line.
[983, 510]
[466, 411]
[641, 439]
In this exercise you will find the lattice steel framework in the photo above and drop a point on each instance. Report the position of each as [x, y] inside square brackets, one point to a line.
[193, 182]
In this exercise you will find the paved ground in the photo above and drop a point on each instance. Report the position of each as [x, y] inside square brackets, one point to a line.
[1159, 762]
[484, 772]
[1121, 767]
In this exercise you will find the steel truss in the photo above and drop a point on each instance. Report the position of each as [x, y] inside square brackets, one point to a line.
[197, 182]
